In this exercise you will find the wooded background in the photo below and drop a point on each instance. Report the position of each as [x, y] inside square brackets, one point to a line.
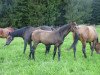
[19, 13]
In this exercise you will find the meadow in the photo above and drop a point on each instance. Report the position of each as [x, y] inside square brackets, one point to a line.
[14, 62]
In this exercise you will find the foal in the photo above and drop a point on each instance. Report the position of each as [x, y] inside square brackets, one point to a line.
[55, 38]
[25, 33]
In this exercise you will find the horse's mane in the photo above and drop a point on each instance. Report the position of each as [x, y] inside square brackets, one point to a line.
[20, 32]
[47, 28]
[63, 28]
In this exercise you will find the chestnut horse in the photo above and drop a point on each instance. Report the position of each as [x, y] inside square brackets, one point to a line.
[86, 34]
[55, 38]
[4, 32]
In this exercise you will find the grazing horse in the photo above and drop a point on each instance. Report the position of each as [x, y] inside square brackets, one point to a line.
[25, 33]
[55, 38]
[86, 34]
[4, 32]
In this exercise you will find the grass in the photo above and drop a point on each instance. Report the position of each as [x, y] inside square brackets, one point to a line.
[14, 62]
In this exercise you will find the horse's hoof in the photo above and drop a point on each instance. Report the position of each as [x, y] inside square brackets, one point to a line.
[68, 49]
[29, 58]
[23, 52]
[58, 59]
[33, 59]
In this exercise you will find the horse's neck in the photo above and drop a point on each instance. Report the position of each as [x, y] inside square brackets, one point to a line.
[18, 33]
[64, 31]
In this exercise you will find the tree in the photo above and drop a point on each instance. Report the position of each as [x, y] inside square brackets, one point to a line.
[5, 12]
[78, 10]
[96, 12]
[21, 13]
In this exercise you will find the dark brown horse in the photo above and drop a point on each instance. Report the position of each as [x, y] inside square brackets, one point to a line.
[86, 34]
[25, 33]
[55, 38]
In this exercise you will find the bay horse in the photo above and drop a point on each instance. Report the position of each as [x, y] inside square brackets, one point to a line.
[86, 34]
[25, 33]
[55, 38]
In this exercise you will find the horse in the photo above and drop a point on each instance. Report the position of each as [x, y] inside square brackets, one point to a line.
[55, 38]
[86, 34]
[25, 33]
[4, 32]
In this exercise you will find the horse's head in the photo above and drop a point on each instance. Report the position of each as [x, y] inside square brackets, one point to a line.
[9, 39]
[73, 26]
[97, 48]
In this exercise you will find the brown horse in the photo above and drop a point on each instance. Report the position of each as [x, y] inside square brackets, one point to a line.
[86, 34]
[5, 31]
[55, 38]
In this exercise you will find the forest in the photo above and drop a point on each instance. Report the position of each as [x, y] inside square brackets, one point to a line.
[20, 13]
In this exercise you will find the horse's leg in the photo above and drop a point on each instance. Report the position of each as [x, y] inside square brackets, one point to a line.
[54, 53]
[59, 53]
[47, 49]
[33, 50]
[75, 38]
[25, 45]
[92, 48]
[74, 49]
[84, 49]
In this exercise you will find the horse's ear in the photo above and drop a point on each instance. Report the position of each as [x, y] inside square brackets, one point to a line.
[94, 25]
[73, 23]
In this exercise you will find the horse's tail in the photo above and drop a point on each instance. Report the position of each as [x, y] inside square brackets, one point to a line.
[30, 35]
[97, 40]
[30, 40]
[76, 38]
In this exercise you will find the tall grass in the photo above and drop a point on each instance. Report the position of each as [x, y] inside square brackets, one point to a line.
[14, 62]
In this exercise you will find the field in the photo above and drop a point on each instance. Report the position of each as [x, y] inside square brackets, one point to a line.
[14, 62]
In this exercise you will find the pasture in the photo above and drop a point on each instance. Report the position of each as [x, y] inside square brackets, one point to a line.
[14, 62]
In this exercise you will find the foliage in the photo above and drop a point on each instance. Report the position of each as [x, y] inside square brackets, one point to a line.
[78, 10]
[96, 12]
[19, 13]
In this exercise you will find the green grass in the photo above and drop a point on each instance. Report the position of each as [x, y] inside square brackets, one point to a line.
[14, 62]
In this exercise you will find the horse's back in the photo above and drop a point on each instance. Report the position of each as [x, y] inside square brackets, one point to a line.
[87, 33]
[44, 36]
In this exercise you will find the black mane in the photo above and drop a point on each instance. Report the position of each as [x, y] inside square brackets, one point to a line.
[20, 32]
[64, 28]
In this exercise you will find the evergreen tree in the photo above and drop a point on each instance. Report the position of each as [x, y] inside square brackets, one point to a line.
[96, 12]
[5, 12]
[78, 10]
[21, 13]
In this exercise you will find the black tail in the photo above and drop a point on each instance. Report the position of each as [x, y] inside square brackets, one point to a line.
[76, 38]
[97, 40]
